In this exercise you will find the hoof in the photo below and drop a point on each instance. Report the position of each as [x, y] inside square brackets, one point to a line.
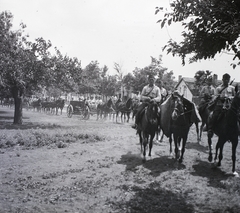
[210, 158]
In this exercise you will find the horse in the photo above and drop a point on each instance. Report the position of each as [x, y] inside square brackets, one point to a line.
[226, 128]
[125, 108]
[59, 105]
[177, 115]
[48, 106]
[135, 106]
[158, 138]
[147, 127]
[36, 105]
[204, 114]
[105, 108]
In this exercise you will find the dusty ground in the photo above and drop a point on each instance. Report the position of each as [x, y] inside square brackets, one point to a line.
[108, 175]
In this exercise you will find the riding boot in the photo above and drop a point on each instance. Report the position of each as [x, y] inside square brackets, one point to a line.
[134, 126]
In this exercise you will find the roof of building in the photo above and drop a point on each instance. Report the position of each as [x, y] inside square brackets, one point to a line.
[190, 83]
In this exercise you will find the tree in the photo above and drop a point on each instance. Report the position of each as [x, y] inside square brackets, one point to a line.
[168, 81]
[201, 76]
[141, 80]
[128, 81]
[91, 76]
[119, 69]
[23, 64]
[211, 26]
[66, 73]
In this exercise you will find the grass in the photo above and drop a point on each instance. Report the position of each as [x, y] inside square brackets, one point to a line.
[31, 138]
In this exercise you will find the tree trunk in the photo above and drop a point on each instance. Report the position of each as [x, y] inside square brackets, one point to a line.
[17, 95]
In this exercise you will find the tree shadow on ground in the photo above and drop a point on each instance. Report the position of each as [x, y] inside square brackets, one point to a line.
[214, 174]
[153, 199]
[156, 165]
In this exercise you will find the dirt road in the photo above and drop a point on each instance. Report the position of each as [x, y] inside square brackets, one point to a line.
[59, 164]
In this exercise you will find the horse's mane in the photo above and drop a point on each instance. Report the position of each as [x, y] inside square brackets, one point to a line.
[129, 103]
[109, 103]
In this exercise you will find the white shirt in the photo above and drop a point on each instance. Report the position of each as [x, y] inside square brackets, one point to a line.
[152, 92]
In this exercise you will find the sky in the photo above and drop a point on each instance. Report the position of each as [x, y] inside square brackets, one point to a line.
[110, 31]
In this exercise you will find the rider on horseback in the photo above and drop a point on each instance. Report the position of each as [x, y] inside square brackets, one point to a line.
[223, 93]
[206, 95]
[150, 93]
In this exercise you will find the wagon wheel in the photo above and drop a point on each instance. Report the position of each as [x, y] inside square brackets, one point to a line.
[69, 111]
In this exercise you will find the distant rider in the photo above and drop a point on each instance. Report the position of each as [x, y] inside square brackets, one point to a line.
[150, 93]
[223, 93]
[206, 94]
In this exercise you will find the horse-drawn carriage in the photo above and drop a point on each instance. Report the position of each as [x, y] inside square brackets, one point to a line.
[78, 108]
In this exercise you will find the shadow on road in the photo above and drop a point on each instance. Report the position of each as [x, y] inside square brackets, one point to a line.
[214, 174]
[197, 147]
[154, 199]
[156, 165]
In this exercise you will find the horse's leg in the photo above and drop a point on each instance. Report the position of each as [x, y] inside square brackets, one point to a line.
[217, 148]
[97, 114]
[128, 117]
[145, 142]
[116, 116]
[234, 147]
[157, 133]
[197, 130]
[151, 144]
[175, 138]
[122, 117]
[201, 130]
[140, 140]
[184, 140]
[210, 149]
[170, 143]
[161, 140]
[220, 157]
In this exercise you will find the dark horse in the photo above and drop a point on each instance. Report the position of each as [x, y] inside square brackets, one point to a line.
[147, 127]
[125, 108]
[59, 105]
[226, 128]
[36, 105]
[103, 109]
[204, 114]
[176, 117]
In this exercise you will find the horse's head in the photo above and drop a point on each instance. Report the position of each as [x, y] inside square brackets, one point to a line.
[129, 103]
[110, 102]
[152, 113]
[235, 104]
[178, 106]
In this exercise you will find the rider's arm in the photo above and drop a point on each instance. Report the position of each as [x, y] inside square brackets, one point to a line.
[202, 92]
[159, 96]
[143, 97]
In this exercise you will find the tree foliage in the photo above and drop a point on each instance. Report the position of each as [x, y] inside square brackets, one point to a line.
[30, 67]
[211, 26]
[201, 76]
